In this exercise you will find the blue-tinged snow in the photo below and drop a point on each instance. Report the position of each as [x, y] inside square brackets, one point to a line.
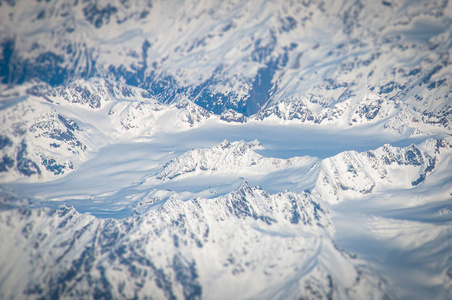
[226, 149]
[114, 170]
[411, 245]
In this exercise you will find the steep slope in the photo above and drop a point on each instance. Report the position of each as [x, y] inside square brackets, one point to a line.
[38, 142]
[237, 158]
[394, 116]
[229, 55]
[46, 137]
[147, 117]
[101, 102]
[248, 243]
[337, 63]
[351, 174]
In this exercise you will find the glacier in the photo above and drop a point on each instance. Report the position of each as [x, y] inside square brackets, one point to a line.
[241, 149]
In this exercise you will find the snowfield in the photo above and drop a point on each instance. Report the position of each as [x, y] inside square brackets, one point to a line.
[226, 149]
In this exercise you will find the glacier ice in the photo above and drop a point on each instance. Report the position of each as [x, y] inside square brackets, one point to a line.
[225, 149]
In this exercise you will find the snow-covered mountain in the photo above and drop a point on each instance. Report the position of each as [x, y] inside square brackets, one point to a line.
[225, 149]
[230, 55]
[246, 244]
[38, 141]
[350, 173]
[331, 63]
[237, 158]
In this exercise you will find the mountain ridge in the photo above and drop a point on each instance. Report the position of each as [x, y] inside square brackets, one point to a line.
[86, 250]
[225, 149]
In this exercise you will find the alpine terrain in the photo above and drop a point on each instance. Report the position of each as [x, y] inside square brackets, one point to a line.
[238, 149]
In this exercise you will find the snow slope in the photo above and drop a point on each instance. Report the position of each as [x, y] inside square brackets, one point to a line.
[326, 55]
[238, 158]
[183, 249]
[225, 149]
[163, 65]
[352, 174]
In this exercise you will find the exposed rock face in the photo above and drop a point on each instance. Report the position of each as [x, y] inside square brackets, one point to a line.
[172, 252]
[352, 174]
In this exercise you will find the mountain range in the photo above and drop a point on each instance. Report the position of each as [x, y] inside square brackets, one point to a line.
[225, 149]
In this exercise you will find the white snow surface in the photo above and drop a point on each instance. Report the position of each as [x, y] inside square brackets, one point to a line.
[239, 245]
[246, 150]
